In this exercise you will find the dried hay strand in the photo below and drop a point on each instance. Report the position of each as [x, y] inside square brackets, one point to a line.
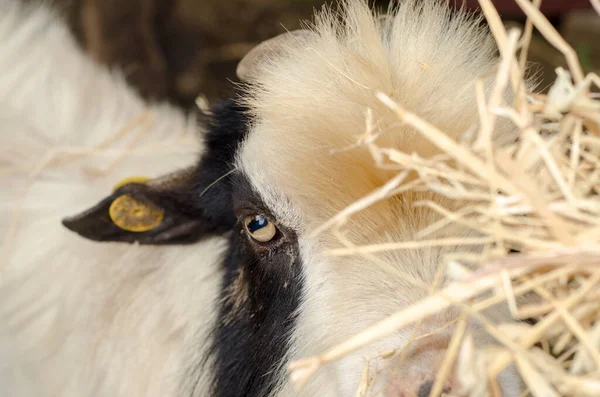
[538, 195]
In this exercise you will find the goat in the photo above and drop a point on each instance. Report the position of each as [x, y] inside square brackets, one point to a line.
[226, 283]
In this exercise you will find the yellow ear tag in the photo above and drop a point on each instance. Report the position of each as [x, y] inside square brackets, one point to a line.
[135, 215]
[131, 179]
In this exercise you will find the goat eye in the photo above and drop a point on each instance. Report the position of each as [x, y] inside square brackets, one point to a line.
[260, 228]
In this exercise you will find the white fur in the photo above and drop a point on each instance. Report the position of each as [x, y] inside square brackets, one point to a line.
[310, 98]
[78, 318]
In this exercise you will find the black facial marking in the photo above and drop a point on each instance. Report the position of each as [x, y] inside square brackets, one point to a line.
[261, 293]
[262, 282]
[210, 194]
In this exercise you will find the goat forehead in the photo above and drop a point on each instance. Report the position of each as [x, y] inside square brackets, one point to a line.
[309, 104]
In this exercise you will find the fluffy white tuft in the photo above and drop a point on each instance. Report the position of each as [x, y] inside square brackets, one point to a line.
[312, 97]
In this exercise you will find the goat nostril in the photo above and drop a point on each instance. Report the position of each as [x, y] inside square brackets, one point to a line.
[425, 389]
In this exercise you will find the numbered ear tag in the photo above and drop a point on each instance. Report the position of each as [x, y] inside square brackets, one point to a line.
[131, 179]
[135, 215]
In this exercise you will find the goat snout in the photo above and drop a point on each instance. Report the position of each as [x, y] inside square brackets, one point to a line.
[415, 375]
[414, 388]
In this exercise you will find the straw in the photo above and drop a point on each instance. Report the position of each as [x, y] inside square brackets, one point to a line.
[538, 194]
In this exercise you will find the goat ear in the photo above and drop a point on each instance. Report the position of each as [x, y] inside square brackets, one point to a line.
[248, 66]
[144, 211]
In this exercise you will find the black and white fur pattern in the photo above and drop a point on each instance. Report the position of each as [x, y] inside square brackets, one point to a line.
[222, 315]
[80, 318]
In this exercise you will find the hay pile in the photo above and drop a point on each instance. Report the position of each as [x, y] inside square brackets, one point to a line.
[539, 197]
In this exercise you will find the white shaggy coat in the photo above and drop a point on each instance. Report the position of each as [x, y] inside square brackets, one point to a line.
[79, 318]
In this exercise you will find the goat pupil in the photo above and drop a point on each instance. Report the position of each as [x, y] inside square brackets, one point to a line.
[257, 223]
